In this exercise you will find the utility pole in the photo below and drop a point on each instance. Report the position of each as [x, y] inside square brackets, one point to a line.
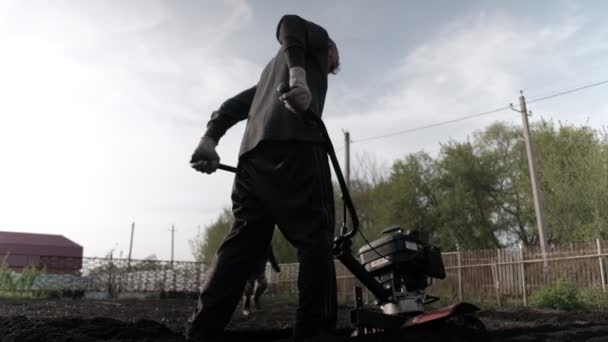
[131, 245]
[347, 156]
[536, 194]
[347, 176]
[172, 230]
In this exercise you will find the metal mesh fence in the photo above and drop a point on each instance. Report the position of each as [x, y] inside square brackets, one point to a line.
[108, 275]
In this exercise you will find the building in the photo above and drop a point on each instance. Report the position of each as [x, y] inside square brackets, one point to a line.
[56, 253]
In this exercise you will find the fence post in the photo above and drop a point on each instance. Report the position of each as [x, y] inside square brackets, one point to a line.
[174, 277]
[198, 278]
[111, 277]
[601, 262]
[523, 274]
[164, 286]
[459, 262]
[496, 282]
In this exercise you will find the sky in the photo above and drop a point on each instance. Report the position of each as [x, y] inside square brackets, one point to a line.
[103, 102]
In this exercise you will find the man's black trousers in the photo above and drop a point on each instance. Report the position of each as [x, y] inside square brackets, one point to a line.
[287, 184]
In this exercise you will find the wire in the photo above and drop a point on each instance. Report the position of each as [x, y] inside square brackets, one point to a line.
[441, 123]
[433, 125]
[567, 92]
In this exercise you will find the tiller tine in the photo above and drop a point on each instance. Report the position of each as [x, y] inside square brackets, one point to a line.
[443, 313]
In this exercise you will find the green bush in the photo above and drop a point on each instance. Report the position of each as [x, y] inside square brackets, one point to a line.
[13, 284]
[562, 296]
[51, 293]
[7, 283]
[25, 280]
[594, 298]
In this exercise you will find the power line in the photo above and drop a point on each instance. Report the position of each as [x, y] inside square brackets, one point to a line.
[567, 92]
[493, 111]
[433, 125]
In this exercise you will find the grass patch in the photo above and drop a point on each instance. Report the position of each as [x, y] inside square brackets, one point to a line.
[561, 296]
[594, 298]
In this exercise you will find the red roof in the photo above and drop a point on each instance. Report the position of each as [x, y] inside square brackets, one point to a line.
[36, 239]
[38, 244]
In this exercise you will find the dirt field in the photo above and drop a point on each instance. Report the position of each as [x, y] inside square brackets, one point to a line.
[162, 321]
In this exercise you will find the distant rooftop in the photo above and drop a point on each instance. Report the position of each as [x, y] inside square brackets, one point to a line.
[32, 239]
[18, 250]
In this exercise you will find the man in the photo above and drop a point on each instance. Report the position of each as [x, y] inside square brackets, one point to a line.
[257, 283]
[283, 178]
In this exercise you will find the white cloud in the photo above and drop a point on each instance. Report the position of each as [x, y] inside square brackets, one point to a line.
[94, 101]
[473, 65]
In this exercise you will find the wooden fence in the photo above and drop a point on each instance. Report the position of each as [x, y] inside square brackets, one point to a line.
[501, 275]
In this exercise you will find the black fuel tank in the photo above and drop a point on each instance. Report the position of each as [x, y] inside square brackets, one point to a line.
[393, 249]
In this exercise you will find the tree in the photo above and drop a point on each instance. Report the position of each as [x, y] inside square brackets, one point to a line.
[410, 195]
[513, 196]
[283, 251]
[466, 184]
[573, 169]
[204, 247]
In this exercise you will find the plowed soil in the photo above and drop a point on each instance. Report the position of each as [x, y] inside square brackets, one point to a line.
[163, 321]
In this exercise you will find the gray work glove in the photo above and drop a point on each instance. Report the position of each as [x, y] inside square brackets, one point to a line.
[298, 98]
[205, 158]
